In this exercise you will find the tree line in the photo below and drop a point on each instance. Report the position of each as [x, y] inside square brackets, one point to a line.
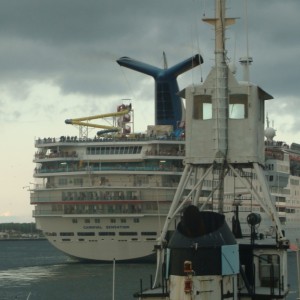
[19, 227]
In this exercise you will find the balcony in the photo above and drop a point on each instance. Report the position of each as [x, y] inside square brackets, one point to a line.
[120, 167]
[109, 209]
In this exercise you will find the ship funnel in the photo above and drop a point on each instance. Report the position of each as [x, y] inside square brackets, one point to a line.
[169, 109]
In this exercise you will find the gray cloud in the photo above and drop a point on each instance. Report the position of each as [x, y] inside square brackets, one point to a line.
[75, 43]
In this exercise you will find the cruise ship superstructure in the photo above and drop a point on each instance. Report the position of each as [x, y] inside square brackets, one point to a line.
[106, 197]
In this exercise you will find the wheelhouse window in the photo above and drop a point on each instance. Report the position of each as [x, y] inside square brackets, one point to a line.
[269, 269]
[202, 109]
[238, 106]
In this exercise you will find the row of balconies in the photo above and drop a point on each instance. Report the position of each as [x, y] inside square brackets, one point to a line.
[125, 185]
[130, 138]
[123, 209]
[120, 167]
[104, 197]
[65, 156]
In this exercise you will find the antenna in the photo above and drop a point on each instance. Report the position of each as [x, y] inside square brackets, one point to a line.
[232, 65]
[165, 61]
[268, 122]
[246, 61]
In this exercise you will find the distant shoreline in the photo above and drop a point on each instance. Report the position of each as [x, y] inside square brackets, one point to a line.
[23, 239]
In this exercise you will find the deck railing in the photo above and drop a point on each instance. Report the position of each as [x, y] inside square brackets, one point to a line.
[124, 209]
[112, 168]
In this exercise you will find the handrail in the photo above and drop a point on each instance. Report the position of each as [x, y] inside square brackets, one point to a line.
[101, 168]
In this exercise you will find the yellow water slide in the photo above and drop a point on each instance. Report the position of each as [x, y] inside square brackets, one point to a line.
[122, 111]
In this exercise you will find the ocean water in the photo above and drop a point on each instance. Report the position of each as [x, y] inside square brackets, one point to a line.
[35, 270]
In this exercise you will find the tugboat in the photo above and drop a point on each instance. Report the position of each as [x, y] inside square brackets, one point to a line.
[204, 259]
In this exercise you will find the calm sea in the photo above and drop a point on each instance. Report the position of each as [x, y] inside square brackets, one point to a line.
[35, 270]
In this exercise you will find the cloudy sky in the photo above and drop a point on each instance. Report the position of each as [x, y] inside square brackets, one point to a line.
[57, 61]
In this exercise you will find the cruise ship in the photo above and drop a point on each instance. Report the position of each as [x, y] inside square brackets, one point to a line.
[106, 197]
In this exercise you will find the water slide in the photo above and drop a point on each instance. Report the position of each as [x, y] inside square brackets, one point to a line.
[124, 109]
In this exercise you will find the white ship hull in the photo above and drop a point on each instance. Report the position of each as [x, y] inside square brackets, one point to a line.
[90, 246]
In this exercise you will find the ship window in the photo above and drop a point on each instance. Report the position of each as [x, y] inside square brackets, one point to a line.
[136, 220]
[112, 220]
[202, 109]
[282, 220]
[66, 233]
[78, 181]
[89, 233]
[87, 220]
[238, 106]
[131, 150]
[127, 233]
[137, 149]
[107, 233]
[269, 269]
[62, 181]
[50, 234]
[148, 233]
[97, 220]
[66, 240]
[64, 196]
[74, 221]
[57, 208]
[123, 220]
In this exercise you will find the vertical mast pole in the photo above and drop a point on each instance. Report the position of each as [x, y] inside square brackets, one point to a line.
[221, 95]
[221, 100]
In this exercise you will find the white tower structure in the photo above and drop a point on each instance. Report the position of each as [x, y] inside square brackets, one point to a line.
[224, 131]
[224, 134]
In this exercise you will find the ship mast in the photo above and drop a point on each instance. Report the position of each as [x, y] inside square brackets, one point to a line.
[220, 109]
[219, 142]
[224, 135]
[219, 104]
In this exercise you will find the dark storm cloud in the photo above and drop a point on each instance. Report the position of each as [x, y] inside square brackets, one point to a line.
[75, 43]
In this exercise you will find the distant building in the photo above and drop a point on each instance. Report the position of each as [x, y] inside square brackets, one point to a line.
[4, 235]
